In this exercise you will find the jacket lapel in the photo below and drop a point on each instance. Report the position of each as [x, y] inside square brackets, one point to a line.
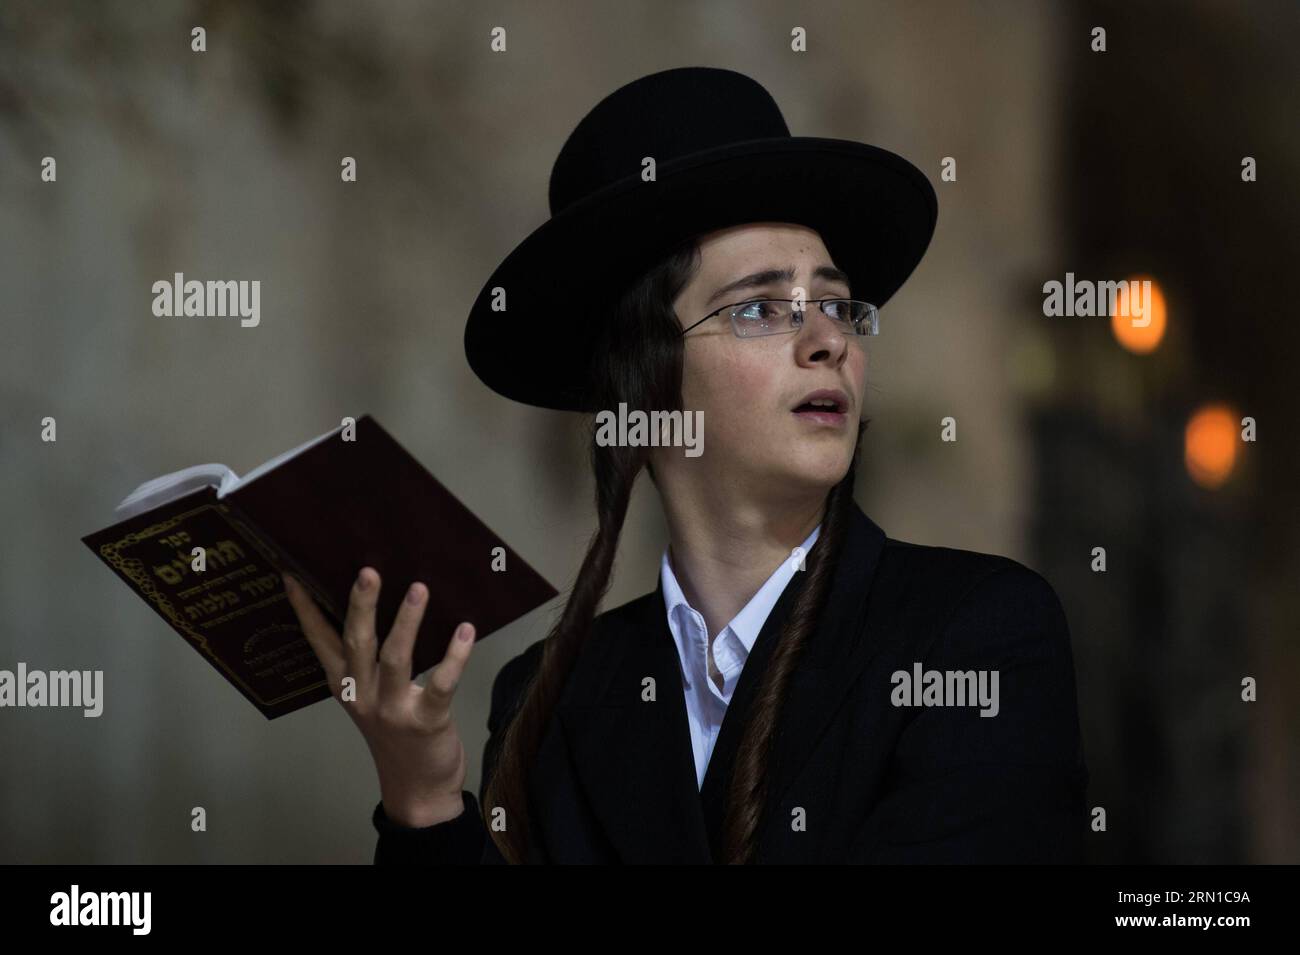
[842, 645]
[717, 777]
[836, 652]
[634, 758]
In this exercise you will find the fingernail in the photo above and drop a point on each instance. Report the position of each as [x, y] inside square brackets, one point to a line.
[362, 581]
[413, 594]
[289, 583]
[464, 632]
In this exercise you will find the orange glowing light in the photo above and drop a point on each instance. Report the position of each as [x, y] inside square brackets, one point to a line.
[1210, 444]
[1139, 324]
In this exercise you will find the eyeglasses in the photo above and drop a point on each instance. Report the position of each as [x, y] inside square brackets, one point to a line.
[778, 316]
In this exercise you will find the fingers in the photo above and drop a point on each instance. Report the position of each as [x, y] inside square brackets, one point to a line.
[445, 677]
[386, 673]
[320, 634]
[395, 652]
[359, 641]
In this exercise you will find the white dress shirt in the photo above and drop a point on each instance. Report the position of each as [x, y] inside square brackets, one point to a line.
[706, 705]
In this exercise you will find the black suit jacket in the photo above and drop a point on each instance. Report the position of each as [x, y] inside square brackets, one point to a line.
[615, 781]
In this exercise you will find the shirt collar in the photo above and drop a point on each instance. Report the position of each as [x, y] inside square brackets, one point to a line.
[749, 621]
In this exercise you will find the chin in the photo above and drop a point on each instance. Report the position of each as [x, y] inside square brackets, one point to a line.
[820, 471]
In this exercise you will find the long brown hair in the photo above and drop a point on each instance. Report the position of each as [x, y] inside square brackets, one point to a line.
[638, 360]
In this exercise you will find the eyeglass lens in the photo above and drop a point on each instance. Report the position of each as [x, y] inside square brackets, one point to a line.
[772, 316]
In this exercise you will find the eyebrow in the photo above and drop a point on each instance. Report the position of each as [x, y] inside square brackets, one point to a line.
[772, 276]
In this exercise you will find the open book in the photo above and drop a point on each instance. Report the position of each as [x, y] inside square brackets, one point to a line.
[205, 548]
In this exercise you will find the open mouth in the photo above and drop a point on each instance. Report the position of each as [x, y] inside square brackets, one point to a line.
[820, 406]
[823, 407]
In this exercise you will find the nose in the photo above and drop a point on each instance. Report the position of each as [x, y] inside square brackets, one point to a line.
[820, 340]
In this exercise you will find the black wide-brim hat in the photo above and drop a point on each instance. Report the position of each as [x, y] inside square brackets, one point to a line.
[723, 156]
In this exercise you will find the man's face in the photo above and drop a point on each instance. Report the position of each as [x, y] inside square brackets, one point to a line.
[748, 388]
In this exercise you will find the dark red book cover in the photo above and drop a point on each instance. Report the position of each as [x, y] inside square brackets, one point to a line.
[321, 515]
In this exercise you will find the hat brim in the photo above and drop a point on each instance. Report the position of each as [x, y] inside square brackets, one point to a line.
[874, 210]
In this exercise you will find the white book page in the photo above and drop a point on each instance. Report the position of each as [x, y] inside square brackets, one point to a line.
[169, 487]
[160, 490]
